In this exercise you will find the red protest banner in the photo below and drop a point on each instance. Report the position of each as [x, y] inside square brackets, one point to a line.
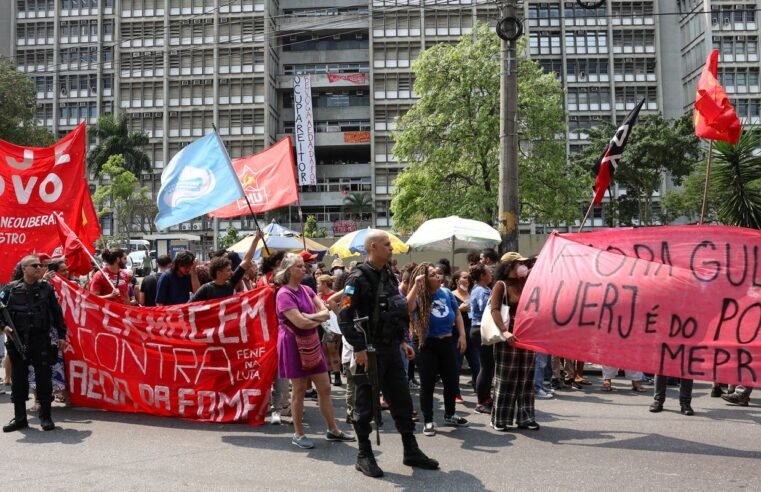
[36, 184]
[684, 301]
[268, 179]
[208, 361]
[354, 78]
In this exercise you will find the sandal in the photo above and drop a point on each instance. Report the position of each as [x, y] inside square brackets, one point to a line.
[638, 389]
[584, 381]
[606, 386]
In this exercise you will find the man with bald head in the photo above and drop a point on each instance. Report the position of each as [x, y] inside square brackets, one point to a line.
[372, 291]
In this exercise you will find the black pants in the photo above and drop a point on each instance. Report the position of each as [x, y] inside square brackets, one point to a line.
[39, 357]
[685, 390]
[396, 392]
[437, 358]
[486, 374]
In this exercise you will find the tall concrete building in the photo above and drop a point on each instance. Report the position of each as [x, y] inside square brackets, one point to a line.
[180, 67]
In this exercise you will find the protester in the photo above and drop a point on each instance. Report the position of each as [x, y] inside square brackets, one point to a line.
[221, 270]
[685, 395]
[148, 286]
[435, 312]
[300, 311]
[372, 291]
[473, 258]
[479, 305]
[461, 287]
[34, 309]
[112, 282]
[270, 264]
[310, 263]
[514, 367]
[176, 285]
[490, 259]
[337, 268]
[331, 341]
[608, 373]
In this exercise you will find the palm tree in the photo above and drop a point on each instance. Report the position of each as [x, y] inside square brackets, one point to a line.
[115, 137]
[358, 204]
[738, 176]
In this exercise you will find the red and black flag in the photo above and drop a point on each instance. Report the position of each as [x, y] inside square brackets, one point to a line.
[606, 166]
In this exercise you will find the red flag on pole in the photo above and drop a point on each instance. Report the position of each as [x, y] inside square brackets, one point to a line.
[77, 257]
[268, 179]
[715, 118]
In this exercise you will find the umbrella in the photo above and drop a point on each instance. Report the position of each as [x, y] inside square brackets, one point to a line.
[278, 237]
[453, 234]
[354, 244]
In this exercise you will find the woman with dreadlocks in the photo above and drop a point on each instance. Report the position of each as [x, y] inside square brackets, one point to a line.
[435, 310]
[514, 367]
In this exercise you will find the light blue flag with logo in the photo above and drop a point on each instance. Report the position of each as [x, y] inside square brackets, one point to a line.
[199, 179]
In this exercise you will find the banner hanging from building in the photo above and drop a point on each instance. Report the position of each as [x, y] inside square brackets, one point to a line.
[36, 184]
[683, 301]
[303, 130]
[355, 78]
[211, 361]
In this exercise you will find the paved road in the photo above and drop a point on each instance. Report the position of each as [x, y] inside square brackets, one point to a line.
[589, 441]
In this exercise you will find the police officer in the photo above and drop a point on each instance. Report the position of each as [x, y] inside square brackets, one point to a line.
[388, 314]
[33, 309]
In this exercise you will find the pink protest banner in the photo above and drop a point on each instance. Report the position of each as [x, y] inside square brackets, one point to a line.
[684, 301]
[209, 361]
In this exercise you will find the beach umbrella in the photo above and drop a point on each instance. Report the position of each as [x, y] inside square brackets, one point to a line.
[454, 235]
[353, 244]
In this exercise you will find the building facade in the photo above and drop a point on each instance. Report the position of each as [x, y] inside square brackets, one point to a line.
[179, 68]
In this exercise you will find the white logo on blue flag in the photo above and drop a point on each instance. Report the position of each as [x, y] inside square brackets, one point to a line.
[199, 179]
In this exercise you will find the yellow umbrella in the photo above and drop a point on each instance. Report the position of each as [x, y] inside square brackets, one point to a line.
[353, 244]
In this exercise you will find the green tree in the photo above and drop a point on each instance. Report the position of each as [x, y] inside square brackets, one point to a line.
[734, 193]
[231, 237]
[18, 109]
[450, 138]
[123, 197]
[115, 137]
[657, 147]
[358, 205]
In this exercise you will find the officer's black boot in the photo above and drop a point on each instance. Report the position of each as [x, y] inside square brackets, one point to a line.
[414, 457]
[46, 421]
[19, 421]
[366, 460]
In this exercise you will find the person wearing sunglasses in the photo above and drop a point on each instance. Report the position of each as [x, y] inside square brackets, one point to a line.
[33, 309]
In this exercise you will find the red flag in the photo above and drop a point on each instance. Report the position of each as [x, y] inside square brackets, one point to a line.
[76, 257]
[268, 179]
[715, 118]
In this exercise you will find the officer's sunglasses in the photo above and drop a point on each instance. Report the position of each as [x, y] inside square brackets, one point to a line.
[35, 265]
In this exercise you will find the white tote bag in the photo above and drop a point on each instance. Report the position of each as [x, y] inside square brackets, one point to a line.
[490, 332]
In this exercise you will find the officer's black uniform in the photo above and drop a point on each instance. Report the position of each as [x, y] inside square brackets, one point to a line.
[386, 334]
[33, 309]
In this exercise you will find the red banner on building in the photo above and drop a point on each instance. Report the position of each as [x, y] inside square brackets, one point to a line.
[268, 179]
[356, 137]
[35, 185]
[344, 226]
[683, 301]
[209, 361]
[354, 78]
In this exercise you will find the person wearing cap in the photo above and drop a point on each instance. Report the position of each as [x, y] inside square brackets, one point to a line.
[514, 367]
[337, 268]
[310, 262]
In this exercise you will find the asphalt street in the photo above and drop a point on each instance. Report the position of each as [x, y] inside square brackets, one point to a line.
[589, 441]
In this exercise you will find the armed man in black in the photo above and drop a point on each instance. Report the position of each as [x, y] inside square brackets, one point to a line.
[32, 309]
[372, 291]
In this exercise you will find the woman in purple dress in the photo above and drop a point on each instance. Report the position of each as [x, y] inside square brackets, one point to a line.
[300, 358]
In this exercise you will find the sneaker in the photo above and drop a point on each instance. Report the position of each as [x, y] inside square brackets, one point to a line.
[455, 421]
[311, 394]
[429, 429]
[303, 442]
[541, 393]
[556, 384]
[736, 399]
[529, 426]
[573, 384]
[275, 418]
[340, 437]
[483, 408]
[458, 399]
[498, 428]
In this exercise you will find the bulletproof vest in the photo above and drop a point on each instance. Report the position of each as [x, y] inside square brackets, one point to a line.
[389, 315]
[28, 306]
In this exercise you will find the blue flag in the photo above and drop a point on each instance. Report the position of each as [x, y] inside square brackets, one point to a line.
[199, 179]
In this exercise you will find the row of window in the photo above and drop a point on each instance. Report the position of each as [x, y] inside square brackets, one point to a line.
[338, 185]
[318, 42]
[323, 68]
[333, 126]
[741, 77]
[396, 55]
[333, 99]
[737, 48]
[46, 8]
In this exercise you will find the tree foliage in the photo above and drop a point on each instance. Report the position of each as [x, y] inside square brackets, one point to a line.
[358, 204]
[656, 147]
[734, 195]
[18, 109]
[231, 237]
[312, 228]
[115, 137]
[450, 138]
[130, 204]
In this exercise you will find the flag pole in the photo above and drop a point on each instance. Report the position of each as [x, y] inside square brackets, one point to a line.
[586, 216]
[256, 222]
[705, 186]
[301, 219]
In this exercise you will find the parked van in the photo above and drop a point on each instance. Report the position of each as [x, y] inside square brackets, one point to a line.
[140, 256]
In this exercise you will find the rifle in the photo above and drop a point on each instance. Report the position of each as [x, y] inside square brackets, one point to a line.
[371, 371]
[15, 338]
